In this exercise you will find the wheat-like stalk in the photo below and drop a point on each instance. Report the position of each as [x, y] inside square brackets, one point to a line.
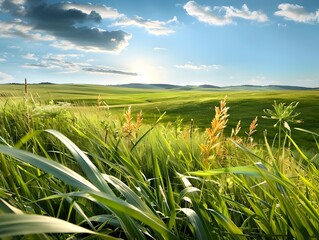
[128, 126]
[252, 129]
[138, 124]
[234, 132]
[131, 128]
[214, 133]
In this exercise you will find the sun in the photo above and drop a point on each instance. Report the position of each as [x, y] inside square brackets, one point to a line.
[147, 72]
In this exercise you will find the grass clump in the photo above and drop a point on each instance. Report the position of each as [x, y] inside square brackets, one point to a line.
[124, 179]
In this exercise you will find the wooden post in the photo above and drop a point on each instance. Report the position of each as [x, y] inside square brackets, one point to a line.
[25, 86]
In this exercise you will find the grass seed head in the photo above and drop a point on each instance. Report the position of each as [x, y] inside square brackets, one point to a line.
[252, 129]
[234, 132]
[214, 133]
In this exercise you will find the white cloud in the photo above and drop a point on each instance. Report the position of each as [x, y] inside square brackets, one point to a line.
[191, 66]
[160, 49]
[4, 77]
[244, 13]
[297, 13]
[30, 56]
[18, 2]
[102, 10]
[154, 27]
[3, 59]
[223, 15]
[205, 14]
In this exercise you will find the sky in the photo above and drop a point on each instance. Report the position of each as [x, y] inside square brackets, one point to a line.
[216, 42]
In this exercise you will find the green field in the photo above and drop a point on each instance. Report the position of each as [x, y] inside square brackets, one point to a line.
[178, 104]
[76, 163]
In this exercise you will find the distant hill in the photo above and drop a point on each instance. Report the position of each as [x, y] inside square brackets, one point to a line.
[208, 87]
[149, 86]
[289, 87]
[204, 87]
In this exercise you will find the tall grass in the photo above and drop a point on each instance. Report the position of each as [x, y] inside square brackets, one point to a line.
[111, 179]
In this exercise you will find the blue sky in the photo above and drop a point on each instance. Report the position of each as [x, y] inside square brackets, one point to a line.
[218, 42]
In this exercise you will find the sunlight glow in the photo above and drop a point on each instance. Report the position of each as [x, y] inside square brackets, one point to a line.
[147, 72]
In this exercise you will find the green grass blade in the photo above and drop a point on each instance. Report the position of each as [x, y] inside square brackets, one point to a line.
[196, 223]
[86, 164]
[244, 149]
[228, 224]
[13, 224]
[306, 131]
[58, 170]
[7, 208]
[128, 193]
[298, 149]
[27, 137]
[245, 170]
[124, 207]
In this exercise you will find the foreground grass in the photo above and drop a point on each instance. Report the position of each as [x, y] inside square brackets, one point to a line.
[121, 178]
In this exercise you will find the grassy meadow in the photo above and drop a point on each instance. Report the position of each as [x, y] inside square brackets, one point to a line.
[102, 162]
[180, 106]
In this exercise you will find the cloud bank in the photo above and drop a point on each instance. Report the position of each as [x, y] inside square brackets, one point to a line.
[223, 15]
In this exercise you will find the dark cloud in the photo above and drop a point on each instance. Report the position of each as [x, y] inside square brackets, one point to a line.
[111, 71]
[14, 8]
[54, 18]
[76, 27]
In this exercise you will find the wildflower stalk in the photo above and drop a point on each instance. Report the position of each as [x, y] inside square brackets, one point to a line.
[282, 114]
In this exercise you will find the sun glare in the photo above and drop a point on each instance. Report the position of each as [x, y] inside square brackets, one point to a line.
[147, 72]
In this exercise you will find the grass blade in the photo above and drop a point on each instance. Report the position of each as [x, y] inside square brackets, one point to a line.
[124, 207]
[58, 170]
[86, 164]
[13, 224]
[195, 222]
